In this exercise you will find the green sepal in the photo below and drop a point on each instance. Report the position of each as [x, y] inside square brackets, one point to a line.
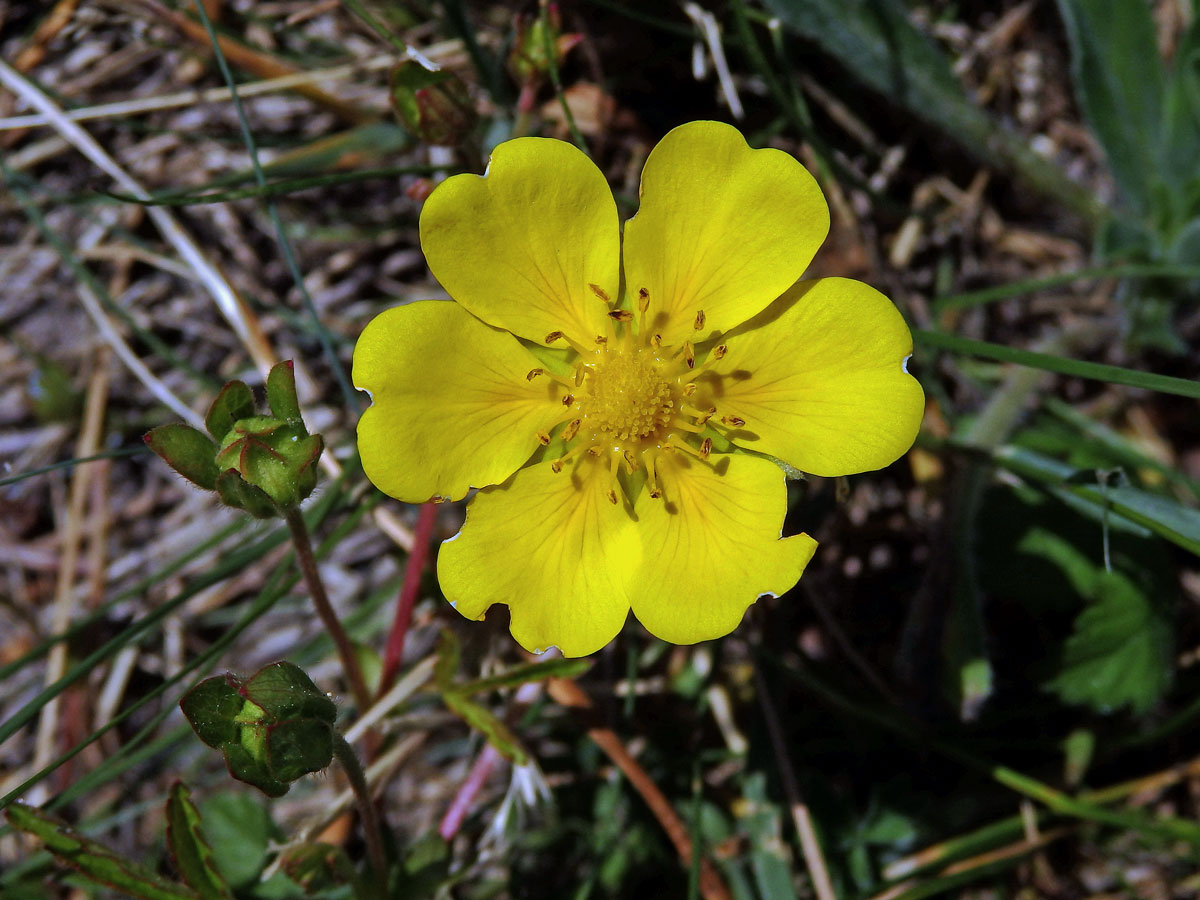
[281, 391]
[186, 450]
[273, 727]
[211, 708]
[234, 491]
[193, 857]
[94, 861]
[276, 457]
[235, 401]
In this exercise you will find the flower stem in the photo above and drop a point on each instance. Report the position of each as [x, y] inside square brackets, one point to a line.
[408, 596]
[370, 820]
[316, 587]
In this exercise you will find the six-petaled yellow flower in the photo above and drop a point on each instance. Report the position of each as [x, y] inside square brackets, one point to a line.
[622, 399]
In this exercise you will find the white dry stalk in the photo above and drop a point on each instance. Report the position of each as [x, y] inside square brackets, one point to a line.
[706, 23]
[401, 691]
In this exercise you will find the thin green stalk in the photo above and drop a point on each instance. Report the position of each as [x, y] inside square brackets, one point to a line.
[372, 832]
[1164, 384]
[316, 588]
[348, 393]
[1017, 288]
[119, 453]
[274, 189]
[556, 80]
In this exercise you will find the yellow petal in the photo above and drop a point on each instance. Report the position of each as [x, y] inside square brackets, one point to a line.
[519, 246]
[451, 405]
[722, 229]
[711, 545]
[819, 379]
[554, 549]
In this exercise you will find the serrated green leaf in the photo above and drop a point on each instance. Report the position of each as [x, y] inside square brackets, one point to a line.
[281, 391]
[1120, 651]
[519, 675]
[1119, 78]
[191, 853]
[481, 719]
[94, 861]
[186, 450]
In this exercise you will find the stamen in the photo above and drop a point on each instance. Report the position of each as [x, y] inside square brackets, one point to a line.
[677, 444]
[568, 399]
[700, 415]
[543, 438]
[572, 429]
[620, 315]
[650, 458]
[631, 463]
[612, 496]
[699, 323]
[599, 292]
[690, 388]
[656, 341]
[557, 465]
[534, 373]
[643, 299]
[688, 353]
[733, 421]
[705, 448]
[560, 336]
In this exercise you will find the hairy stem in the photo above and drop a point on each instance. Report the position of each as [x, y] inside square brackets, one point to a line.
[370, 819]
[316, 587]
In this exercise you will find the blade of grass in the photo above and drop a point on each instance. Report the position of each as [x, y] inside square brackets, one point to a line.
[1164, 384]
[349, 395]
[968, 299]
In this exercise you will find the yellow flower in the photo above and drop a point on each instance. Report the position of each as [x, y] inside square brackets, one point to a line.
[622, 402]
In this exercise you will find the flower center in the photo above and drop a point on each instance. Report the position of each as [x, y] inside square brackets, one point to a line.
[626, 396]
[629, 405]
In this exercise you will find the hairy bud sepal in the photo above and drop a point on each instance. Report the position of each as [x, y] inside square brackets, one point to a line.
[273, 728]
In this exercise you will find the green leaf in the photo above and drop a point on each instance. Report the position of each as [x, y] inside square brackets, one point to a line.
[876, 41]
[519, 675]
[1181, 108]
[240, 830]
[1164, 384]
[481, 719]
[1120, 652]
[1119, 81]
[1163, 515]
[235, 401]
[281, 391]
[448, 654]
[187, 451]
[94, 861]
[191, 853]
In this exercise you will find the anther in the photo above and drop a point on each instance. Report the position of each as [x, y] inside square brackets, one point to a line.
[630, 460]
[534, 373]
[599, 292]
[643, 299]
[554, 336]
[621, 315]
[568, 399]
[733, 421]
[543, 438]
[656, 341]
[601, 340]
[699, 323]
[655, 493]
[572, 429]
[556, 466]
[719, 351]
[705, 448]
[689, 355]
[612, 496]
[596, 451]
[690, 388]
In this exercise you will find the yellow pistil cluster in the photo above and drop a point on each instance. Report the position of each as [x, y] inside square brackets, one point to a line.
[628, 401]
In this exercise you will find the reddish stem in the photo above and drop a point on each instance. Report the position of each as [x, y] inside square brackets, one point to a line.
[408, 596]
[476, 779]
